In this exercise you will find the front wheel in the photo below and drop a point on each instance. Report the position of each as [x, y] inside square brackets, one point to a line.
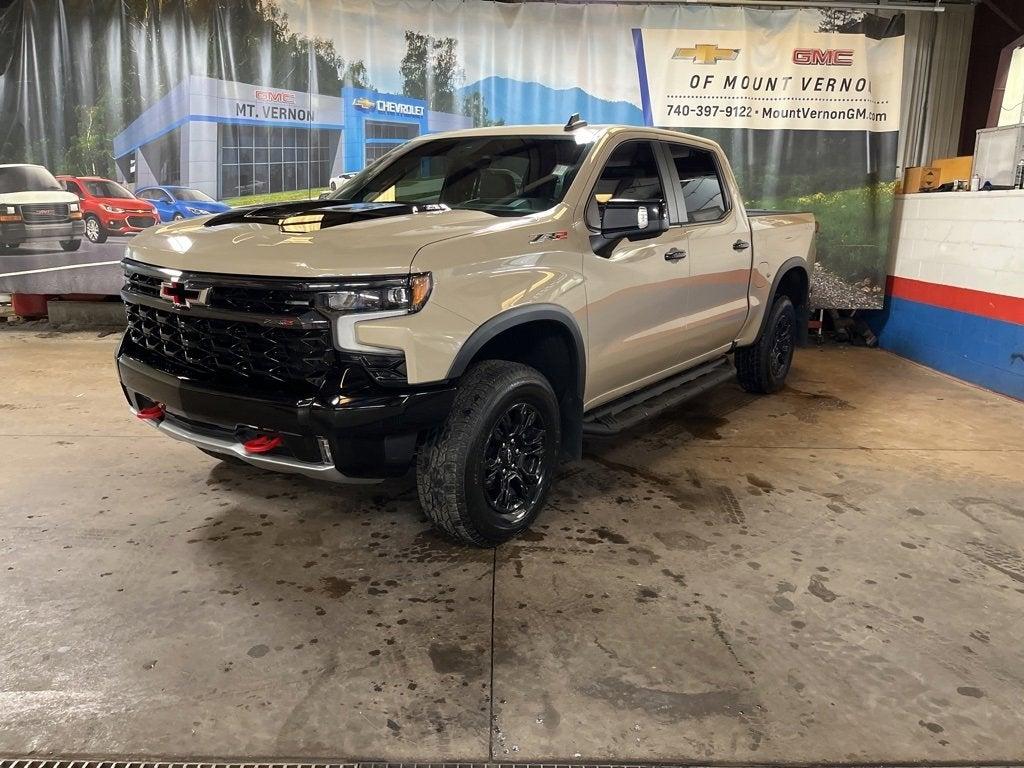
[763, 366]
[71, 245]
[94, 230]
[484, 476]
[177, 217]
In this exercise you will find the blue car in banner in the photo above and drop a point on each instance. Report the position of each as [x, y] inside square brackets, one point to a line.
[174, 203]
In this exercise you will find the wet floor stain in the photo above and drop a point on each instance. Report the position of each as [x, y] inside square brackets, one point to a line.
[970, 691]
[817, 587]
[451, 659]
[336, 588]
[757, 482]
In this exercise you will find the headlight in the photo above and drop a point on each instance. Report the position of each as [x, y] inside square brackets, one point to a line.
[407, 294]
[196, 211]
[111, 208]
[72, 206]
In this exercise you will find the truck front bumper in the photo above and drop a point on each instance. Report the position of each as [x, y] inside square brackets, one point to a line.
[354, 439]
[19, 232]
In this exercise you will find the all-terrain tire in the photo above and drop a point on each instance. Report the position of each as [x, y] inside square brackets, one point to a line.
[451, 463]
[763, 366]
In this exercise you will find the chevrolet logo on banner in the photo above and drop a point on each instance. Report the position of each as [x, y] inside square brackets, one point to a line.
[364, 103]
[704, 53]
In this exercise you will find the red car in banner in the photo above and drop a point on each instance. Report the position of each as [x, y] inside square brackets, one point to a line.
[108, 208]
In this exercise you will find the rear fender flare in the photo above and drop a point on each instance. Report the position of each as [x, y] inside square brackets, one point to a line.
[802, 312]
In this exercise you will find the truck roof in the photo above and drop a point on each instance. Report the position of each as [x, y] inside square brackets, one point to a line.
[593, 131]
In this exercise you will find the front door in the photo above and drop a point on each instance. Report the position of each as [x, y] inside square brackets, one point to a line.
[637, 294]
[719, 246]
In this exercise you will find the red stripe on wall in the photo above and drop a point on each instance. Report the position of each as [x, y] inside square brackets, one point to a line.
[995, 306]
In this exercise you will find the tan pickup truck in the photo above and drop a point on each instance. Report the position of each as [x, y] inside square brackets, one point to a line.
[473, 305]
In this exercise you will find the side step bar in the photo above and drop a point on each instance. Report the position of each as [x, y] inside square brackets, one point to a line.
[635, 407]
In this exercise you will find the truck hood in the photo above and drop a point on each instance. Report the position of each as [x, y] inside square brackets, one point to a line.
[30, 198]
[315, 239]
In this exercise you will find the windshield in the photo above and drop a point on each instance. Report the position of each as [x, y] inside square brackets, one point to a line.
[27, 178]
[184, 193]
[107, 189]
[503, 175]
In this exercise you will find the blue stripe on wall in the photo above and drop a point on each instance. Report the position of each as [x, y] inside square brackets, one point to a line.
[986, 352]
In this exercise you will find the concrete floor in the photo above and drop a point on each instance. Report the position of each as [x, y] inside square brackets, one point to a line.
[834, 573]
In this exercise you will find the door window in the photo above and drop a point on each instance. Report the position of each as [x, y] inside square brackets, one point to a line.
[699, 182]
[73, 188]
[631, 173]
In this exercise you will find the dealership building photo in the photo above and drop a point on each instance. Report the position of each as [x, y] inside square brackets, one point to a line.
[230, 139]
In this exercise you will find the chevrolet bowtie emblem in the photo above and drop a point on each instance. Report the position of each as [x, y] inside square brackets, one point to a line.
[183, 295]
[364, 103]
[703, 53]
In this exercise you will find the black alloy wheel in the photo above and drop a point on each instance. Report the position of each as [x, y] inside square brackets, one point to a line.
[514, 461]
[781, 355]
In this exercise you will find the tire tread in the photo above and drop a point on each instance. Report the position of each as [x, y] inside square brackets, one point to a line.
[441, 460]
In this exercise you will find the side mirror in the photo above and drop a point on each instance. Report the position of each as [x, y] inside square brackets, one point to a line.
[629, 220]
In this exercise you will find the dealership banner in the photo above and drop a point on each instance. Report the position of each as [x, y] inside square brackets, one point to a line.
[194, 105]
[789, 78]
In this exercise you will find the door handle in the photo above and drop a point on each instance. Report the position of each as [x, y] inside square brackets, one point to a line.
[674, 254]
[740, 245]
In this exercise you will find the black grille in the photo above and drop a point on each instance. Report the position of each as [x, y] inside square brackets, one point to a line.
[251, 300]
[44, 213]
[147, 285]
[261, 301]
[140, 222]
[222, 350]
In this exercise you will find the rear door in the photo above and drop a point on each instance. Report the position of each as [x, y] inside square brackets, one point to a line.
[637, 294]
[720, 250]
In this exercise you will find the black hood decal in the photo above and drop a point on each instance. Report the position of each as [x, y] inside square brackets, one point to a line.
[312, 215]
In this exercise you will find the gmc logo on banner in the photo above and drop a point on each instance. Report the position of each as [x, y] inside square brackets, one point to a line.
[832, 57]
[278, 97]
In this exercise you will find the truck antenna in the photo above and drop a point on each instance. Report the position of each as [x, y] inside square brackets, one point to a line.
[575, 122]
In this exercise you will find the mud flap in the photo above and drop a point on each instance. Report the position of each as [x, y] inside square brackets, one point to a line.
[803, 319]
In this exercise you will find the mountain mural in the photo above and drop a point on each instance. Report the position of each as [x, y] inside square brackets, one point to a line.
[518, 102]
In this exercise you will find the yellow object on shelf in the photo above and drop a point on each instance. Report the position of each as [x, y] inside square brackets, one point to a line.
[953, 168]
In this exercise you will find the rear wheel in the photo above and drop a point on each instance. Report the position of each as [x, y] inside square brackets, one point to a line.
[763, 367]
[71, 245]
[484, 476]
[94, 230]
[178, 217]
[11, 246]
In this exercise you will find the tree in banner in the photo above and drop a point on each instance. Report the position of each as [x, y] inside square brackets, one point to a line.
[474, 106]
[838, 20]
[430, 70]
[414, 65]
[88, 151]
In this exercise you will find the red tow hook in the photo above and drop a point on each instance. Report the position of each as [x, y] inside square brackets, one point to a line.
[152, 413]
[262, 444]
